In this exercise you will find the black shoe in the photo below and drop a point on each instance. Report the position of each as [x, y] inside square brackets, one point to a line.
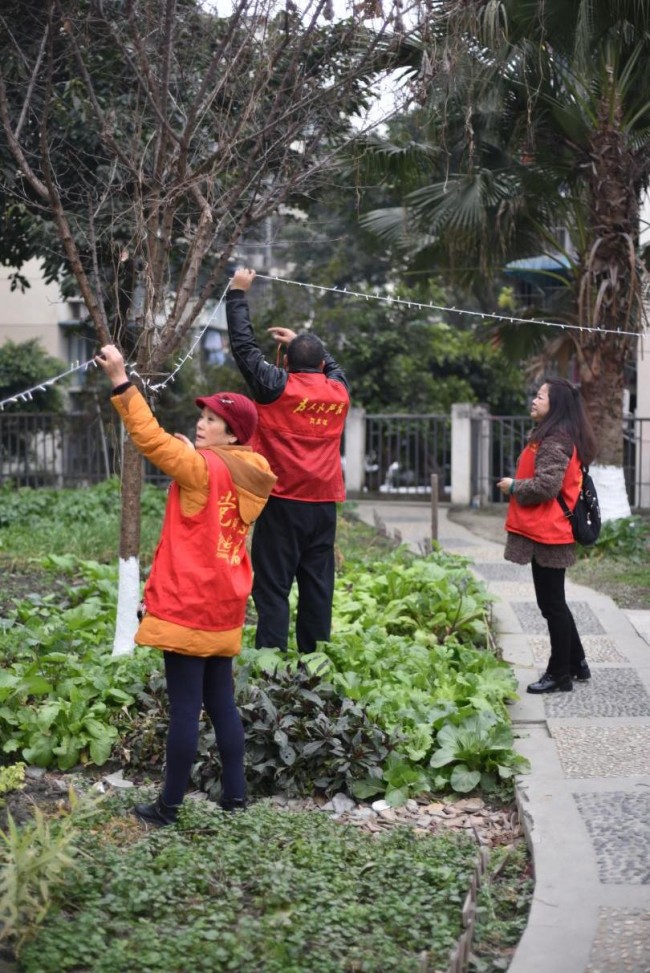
[582, 673]
[157, 814]
[552, 684]
[233, 804]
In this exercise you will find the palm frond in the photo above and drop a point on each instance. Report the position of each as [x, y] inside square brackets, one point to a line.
[392, 225]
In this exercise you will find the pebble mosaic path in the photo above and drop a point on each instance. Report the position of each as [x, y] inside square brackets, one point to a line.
[601, 732]
[586, 802]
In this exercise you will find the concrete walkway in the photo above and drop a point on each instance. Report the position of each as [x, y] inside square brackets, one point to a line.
[586, 802]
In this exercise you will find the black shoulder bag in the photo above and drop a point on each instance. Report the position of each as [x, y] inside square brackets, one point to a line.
[585, 516]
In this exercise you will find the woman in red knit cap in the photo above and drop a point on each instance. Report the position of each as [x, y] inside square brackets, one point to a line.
[200, 580]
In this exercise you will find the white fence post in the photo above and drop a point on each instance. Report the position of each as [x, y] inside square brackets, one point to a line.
[483, 455]
[355, 450]
[461, 453]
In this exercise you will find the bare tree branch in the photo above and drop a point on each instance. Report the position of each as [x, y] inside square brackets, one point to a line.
[156, 134]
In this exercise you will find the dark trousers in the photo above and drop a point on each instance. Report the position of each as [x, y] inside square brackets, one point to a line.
[566, 648]
[193, 682]
[294, 539]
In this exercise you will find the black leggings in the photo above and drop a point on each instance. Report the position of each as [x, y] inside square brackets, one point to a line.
[193, 682]
[566, 648]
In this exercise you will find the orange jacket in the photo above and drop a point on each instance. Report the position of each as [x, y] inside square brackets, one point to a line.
[201, 577]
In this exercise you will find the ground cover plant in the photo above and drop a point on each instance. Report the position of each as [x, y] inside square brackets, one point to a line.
[266, 891]
[619, 562]
[60, 688]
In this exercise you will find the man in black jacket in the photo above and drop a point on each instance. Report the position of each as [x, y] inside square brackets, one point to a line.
[301, 418]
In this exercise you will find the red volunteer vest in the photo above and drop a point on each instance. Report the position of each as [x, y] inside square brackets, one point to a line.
[201, 575]
[544, 522]
[300, 435]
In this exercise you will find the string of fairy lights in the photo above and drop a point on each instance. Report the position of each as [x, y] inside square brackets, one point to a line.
[156, 387]
[28, 394]
[408, 302]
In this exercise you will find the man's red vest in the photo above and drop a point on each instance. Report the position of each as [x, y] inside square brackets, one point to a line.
[544, 522]
[200, 554]
[300, 435]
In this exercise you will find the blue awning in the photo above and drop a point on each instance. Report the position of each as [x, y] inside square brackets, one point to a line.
[535, 269]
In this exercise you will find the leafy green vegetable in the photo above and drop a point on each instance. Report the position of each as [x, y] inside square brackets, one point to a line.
[407, 697]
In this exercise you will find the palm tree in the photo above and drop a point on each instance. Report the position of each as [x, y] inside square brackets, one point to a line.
[539, 116]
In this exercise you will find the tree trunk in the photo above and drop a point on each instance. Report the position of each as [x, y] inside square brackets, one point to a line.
[610, 294]
[129, 565]
[602, 388]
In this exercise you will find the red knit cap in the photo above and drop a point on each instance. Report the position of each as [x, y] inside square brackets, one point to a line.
[237, 411]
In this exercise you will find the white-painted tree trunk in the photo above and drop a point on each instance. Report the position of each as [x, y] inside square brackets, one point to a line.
[612, 494]
[128, 599]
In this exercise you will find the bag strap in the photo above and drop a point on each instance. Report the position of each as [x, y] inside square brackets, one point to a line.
[562, 502]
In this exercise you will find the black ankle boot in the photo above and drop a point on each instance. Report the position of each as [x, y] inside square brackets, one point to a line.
[582, 673]
[551, 684]
[233, 804]
[157, 814]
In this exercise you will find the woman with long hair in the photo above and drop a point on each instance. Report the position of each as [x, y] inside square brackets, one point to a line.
[539, 533]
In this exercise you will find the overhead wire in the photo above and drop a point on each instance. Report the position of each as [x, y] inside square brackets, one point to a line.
[27, 394]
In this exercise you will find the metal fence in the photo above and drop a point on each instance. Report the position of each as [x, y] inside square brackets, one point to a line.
[497, 442]
[77, 449]
[636, 461]
[404, 450]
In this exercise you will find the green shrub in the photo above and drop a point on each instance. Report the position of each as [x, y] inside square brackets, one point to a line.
[25, 364]
[481, 746]
[410, 644]
[432, 599]
[85, 523]
[70, 507]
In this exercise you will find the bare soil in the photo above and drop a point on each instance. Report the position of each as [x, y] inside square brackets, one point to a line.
[48, 792]
[20, 583]
[492, 822]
